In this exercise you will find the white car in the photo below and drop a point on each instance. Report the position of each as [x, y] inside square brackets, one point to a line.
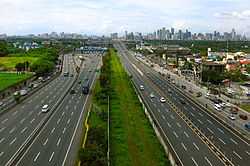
[232, 117]
[141, 87]
[45, 108]
[23, 92]
[217, 108]
[163, 100]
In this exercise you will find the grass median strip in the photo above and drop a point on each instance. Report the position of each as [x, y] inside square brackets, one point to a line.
[132, 138]
[133, 141]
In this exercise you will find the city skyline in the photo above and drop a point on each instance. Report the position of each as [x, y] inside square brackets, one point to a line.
[104, 17]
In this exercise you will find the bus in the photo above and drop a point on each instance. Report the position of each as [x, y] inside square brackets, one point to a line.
[85, 87]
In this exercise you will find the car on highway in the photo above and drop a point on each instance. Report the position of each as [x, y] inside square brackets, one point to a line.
[162, 100]
[217, 107]
[71, 75]
[247, 125]
[1, 103]
[35, 85]
[141, 87]
[66, 74]
[152, 95]
[198, 94]
[23, 92]
[232, 117]
[45, 108]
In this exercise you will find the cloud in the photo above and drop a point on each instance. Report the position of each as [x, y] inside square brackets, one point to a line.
[242, 15]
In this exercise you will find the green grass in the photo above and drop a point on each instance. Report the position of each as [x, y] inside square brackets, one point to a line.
[9, 63]
[9, 79]
[245, 107]
[133, 141]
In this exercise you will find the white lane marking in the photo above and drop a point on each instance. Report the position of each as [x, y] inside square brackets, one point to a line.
[22, 120]
[2, 129]
[200, 121]
[2, 140]
[52, 131]
[201, 114]
[220, 130]
[24, 129]
[210, 130]
[39, 113]
[178, 124]
[74, 107]
[1, 154]
[32, 120]
[175, 134]
[72, 113]
[45, 142]
[169, 125]
[12, 130]
[163, 117]
[38, 154]
[192, 114]
[51, 157]
[208, 161]
[67, 107]
[63, 113]
[68, 121]
[209, 121]
[194, 161]
[196, 146]
[186, 134]
[4, 120]
[70, 101]
[77, 102]
[236, 143]
[64, 129]
[58, 121]
[184, 147]
[193, 108]
[14, 113]
[237, 155]
[222, 141]
[14, 140]
[58, 142]
[248, 153]
[172, 116]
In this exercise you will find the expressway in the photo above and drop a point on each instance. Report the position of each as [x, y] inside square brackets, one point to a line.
[235, 148]
[188, 147]
[17, 126]
[52, 145]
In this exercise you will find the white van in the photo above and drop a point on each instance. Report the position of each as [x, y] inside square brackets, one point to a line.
[45, 108]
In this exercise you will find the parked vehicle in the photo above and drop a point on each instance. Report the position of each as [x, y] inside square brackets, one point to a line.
[198, 94]
[85, 88]
[141, 87]
[232, 117]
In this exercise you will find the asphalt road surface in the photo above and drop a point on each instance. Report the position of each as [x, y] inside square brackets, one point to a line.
[51, 146]
[208, 125]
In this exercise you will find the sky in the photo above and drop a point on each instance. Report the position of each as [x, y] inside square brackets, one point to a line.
[98, 17]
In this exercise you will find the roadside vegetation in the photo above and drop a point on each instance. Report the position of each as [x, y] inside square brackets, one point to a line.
[246, 107]
[9, 79]
[132, 138]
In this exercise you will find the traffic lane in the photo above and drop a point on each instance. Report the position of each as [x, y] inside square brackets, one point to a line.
[238, 153]
[15, 130]
[167, 119]
[19, 132]
[60, 127]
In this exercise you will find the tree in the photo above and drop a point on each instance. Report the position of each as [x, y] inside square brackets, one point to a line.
[42, 67]
[3, 48]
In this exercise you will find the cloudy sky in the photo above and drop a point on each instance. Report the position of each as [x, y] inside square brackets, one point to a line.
[106, 16]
